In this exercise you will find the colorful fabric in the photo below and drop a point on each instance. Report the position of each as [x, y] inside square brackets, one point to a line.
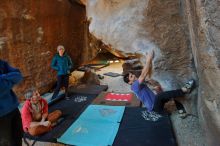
[118, 97]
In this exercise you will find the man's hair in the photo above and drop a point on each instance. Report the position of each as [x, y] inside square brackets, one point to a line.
[29, 93]
[60, 47]
[126, 78]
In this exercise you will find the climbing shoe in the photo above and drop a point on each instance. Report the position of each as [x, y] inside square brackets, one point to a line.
[189, 85]
[182, 114]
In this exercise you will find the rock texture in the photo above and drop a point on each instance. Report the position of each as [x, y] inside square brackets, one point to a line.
[185, 37]
[82, 2]
[132, 27]
[184, 34]
[31, 30]
[133, 65]
[203, 18]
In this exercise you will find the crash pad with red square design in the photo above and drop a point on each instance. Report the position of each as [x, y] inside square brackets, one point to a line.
[117, 99]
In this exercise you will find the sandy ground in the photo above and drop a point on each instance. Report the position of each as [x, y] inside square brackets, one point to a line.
[187, 131]
[115, 84]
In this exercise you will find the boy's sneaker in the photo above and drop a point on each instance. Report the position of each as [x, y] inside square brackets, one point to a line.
[190, 85]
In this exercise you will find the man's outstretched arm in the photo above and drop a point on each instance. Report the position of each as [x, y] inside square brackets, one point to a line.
[147, 68]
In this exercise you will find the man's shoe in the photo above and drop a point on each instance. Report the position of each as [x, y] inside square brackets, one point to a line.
[189, 86]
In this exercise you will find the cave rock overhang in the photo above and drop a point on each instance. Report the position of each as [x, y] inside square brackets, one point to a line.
[81, 2]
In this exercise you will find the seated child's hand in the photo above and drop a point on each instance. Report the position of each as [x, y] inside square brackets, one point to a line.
[46, 123]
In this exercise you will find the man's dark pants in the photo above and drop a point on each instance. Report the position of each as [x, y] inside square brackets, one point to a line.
[62, 81]
[11, 131]
[166, 96]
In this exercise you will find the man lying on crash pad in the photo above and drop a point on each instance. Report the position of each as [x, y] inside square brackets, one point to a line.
[35, 117]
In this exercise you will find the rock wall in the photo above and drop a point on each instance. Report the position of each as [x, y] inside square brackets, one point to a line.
[203, 18]
[134, 27]
[30, 31]
[185, 37]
